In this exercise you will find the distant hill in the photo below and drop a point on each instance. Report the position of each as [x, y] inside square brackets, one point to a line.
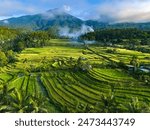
[58, 18]
[43, 21]
[141, 26]
[96, 24]
[102, 25]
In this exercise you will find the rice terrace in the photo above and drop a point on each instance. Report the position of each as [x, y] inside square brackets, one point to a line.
[66, 65]
[73, 79]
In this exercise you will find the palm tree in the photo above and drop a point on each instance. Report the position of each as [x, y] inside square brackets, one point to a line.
[134, 61]
[71, 62]
[20, 102]
[109, 103]
[136, 106]
[39, 104]
[12, 100]
[4, 98]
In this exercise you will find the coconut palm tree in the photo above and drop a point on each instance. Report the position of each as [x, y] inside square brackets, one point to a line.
[22, 103]
[134, 61]
[19, 102]
[136, 106]
[109, 103]
[4, 98]
[39, 104]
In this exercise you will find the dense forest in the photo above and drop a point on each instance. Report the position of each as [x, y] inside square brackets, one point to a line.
[132, 39]
[119, 35]
[13, 41]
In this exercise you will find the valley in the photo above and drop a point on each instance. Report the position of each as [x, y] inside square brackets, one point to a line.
[73, 77]
[57, 62]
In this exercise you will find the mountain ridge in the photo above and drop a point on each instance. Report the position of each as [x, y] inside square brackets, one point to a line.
[59, 18]
[43, 21]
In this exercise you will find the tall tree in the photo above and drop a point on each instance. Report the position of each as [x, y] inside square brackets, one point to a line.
[3, 59]
[134, 61]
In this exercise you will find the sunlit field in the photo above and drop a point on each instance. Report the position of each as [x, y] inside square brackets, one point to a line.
[54, 72]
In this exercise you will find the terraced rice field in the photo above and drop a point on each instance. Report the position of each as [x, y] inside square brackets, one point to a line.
[74, 90]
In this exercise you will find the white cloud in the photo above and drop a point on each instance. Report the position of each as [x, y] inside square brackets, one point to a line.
[6, 22]
[15, 7]
[108, 10]
[123, 11]
[67, 8]
[57, 11]
[3, 17]
[68, 32]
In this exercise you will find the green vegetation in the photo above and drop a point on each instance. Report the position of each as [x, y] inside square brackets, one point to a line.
[42, 74]
[129, 38]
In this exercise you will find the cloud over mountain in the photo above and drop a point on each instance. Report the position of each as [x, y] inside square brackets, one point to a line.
[103, 10]
[122, 11]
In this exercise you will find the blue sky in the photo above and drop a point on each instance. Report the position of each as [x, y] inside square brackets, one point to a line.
[103, 10]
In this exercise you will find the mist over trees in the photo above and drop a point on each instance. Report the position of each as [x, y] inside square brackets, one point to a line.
[119, 36]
